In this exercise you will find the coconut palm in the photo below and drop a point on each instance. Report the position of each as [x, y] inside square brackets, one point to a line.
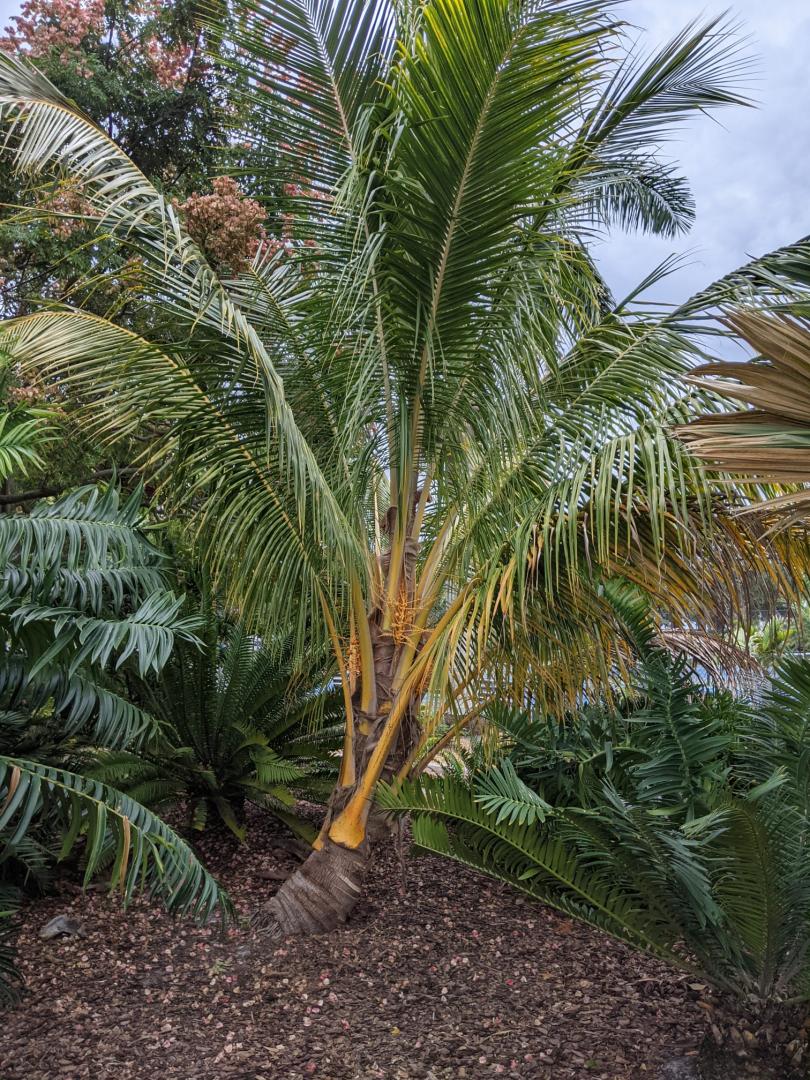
[417, 430]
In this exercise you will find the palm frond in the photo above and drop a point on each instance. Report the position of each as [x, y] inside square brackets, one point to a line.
[769, 444]
[313, 70]
[48, 133]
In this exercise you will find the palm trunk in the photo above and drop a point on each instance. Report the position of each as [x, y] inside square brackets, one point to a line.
[324, 890]
[321, 893]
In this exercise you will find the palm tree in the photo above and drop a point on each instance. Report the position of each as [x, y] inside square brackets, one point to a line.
[418, 429]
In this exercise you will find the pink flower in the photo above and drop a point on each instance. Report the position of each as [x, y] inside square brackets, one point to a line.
[70, 207]
[170, 64]
[227, 225]
[65, 28]
[46, 27]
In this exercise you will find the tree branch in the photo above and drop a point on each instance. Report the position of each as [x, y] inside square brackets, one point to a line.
[15, 497]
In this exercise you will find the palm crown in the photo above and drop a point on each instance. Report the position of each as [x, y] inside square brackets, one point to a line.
[416, 429]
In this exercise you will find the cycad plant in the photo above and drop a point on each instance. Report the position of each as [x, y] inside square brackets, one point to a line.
[83, 594]
[83, 601]
[233, 724]
[680, 828]
[418, 421]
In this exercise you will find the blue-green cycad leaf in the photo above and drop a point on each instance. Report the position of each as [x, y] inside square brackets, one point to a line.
[500, 791]
[148, 635]
[88, 528]
[148, 854]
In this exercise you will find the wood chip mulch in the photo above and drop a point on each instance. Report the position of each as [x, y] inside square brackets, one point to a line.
[452, 977]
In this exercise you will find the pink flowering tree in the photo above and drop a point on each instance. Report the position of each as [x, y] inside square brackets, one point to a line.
[73, 33]
[147, 74]
[49, 29]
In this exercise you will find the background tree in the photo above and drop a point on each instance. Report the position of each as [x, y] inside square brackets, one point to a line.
[154, 80]
[149, 76]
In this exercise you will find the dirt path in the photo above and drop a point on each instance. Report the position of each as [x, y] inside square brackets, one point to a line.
[456, 978]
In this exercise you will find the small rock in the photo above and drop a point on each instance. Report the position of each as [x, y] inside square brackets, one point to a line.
[62, 926]
[680, 1069]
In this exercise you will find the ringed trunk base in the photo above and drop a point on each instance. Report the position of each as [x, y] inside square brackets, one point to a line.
[318, 896]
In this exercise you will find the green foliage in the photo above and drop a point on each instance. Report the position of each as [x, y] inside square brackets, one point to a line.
[501, 792]
[779, 637]
[687, 838]
[82, 599]
[663, 736]
[234, 724]
[431, 311]
[143, 75]
[84, 608]
[21, 438]
[147, 853]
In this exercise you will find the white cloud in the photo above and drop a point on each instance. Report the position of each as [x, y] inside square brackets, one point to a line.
[749, 168]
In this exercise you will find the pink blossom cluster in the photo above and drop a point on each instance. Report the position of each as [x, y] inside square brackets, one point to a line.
[23, 395]
[47, 26]
[71, 203]
[226, 224]
[25, 391]
[170, 65]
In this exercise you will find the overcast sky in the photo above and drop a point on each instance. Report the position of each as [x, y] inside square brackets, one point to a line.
[749, 168]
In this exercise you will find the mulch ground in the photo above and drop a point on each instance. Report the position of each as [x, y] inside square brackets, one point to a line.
[452, 977]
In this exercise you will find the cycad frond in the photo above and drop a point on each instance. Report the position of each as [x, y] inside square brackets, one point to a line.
[82, 702]
[233, 721]
[83, 595]
[501, 792]
[85, 529]
[534, 858]
[147, 852]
